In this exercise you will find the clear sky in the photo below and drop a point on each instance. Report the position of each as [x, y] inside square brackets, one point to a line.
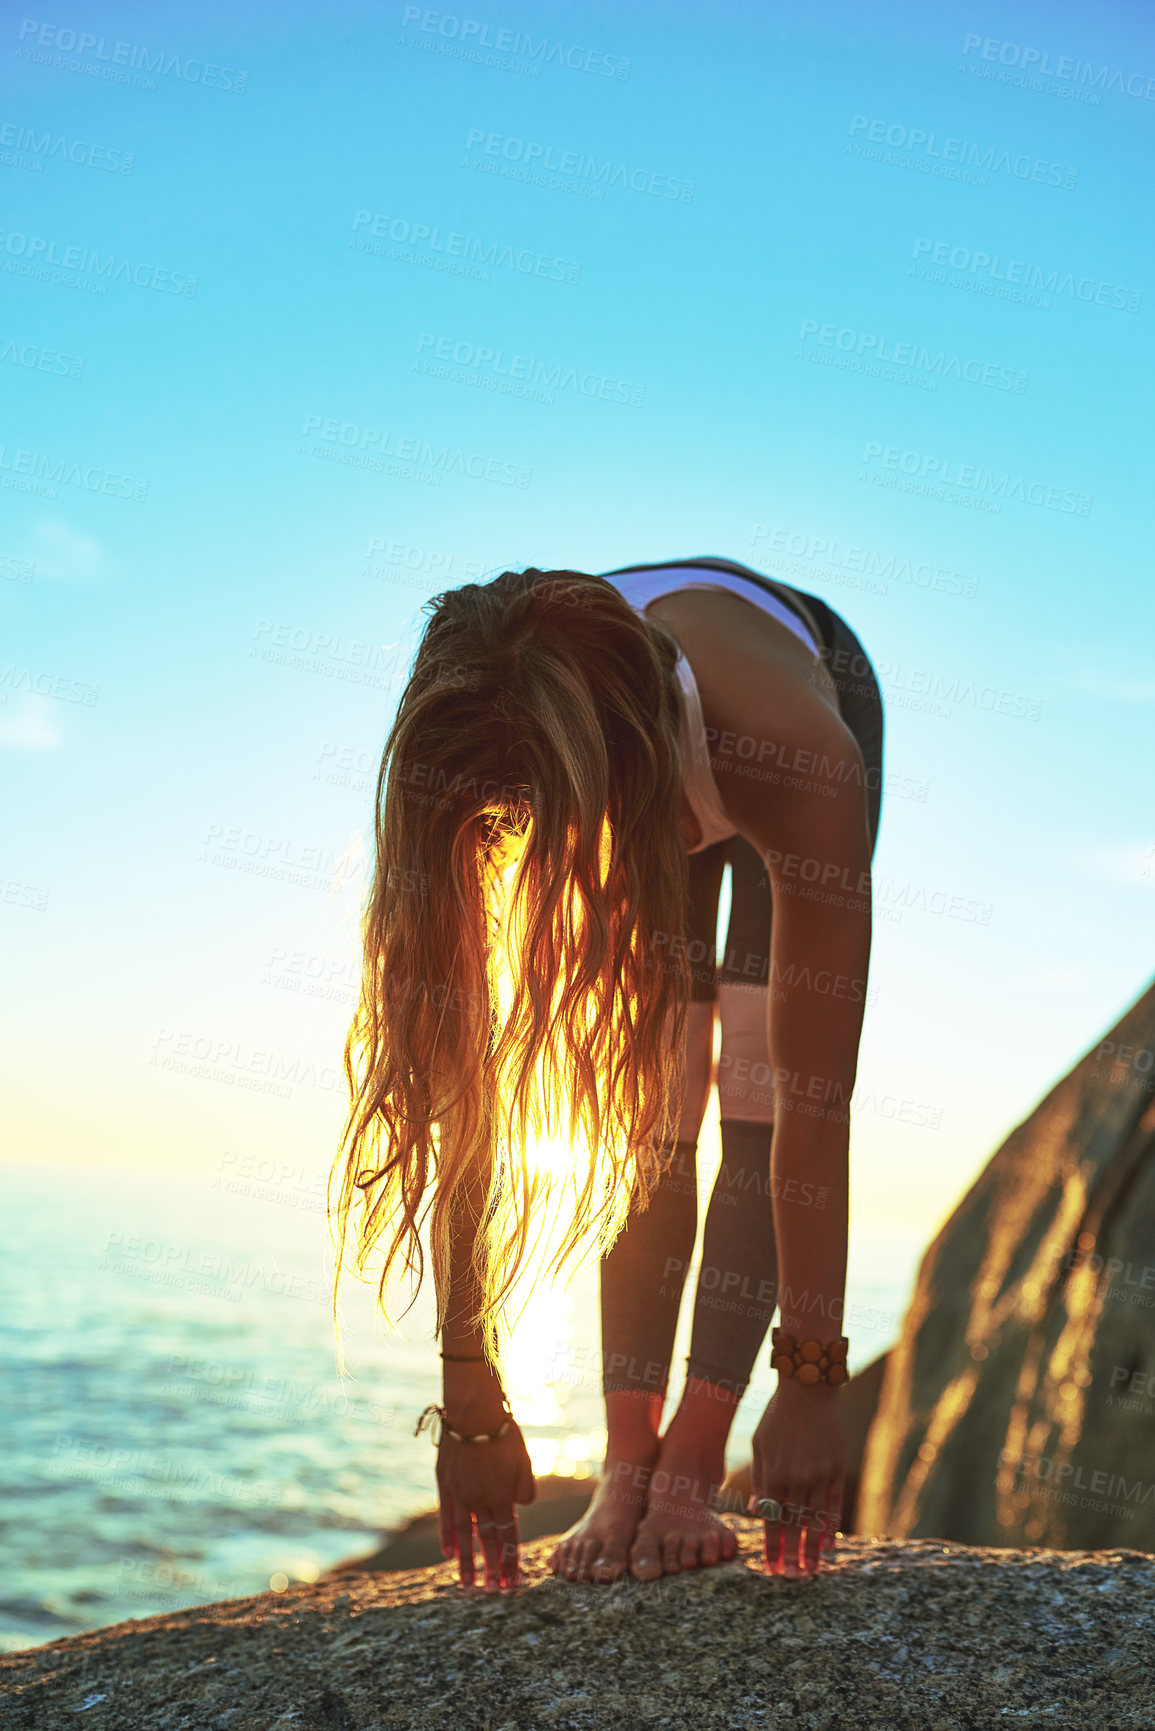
[310, 310]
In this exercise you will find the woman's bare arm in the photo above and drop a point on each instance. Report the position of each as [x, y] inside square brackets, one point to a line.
[816, 850]
[472, 1390]
[478, 1483]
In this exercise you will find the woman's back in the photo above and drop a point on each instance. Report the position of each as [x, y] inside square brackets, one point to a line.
[641, 584]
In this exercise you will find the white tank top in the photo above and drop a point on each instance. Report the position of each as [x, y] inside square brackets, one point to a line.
[642, 587]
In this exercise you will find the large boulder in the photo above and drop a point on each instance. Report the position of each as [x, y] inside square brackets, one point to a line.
[911, 1637]
[1016, 1407]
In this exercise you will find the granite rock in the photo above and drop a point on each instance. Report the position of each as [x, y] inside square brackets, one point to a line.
[1016, 1407]
[911, 1636]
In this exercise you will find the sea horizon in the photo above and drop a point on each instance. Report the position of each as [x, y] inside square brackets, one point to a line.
[178, 1430]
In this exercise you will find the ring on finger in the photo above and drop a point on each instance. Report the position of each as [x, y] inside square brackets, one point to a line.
[769, 1509]
[486, 1526]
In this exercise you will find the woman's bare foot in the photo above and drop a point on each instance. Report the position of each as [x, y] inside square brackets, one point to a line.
[598, 1547]
[680, 1529]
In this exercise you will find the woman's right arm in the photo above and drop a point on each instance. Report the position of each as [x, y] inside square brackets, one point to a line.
[476, 1481]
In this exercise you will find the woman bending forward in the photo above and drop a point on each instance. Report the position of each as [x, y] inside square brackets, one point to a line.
[573, 762]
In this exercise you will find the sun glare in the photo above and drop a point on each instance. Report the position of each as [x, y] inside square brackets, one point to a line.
[554, 1147]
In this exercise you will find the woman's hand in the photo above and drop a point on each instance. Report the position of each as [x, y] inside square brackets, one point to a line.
[480, 1482]
[800, 1462]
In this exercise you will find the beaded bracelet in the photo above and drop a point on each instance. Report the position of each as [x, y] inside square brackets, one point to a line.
[809, 1361]
[439, 1426]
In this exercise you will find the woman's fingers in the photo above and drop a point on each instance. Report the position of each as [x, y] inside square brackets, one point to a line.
[833, 1511]
[498, 1536]
[477, 1489]
[771, 1511]
[793, 1505]
[445, 1524]
[490, 1548]
[815, 1532]
[463, 1538]
[762, 1504]
[507, 1541]
[783, 1511]
[799, 1523]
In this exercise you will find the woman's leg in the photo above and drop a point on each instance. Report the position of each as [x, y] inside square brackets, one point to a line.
[642, 1277]
[737, 1282]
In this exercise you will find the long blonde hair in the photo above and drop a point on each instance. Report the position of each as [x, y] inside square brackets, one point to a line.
[522, 969]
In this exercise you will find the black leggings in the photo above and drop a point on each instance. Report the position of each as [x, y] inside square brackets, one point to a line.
[643, 1275]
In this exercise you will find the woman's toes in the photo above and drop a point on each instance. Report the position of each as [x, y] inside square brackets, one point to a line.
[711, 1549]
[645, 1562]
[688, 1555]
[610, 1562]
[729, 1544]
[670, 1549]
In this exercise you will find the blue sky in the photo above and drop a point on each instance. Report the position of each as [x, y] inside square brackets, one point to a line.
[805, 222]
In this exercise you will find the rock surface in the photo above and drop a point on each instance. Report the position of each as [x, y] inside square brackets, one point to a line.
[904, 1637]
[1016, 1407]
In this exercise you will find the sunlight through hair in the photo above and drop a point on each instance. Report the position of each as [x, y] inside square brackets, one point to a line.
[514, 1064]
[570, 1205]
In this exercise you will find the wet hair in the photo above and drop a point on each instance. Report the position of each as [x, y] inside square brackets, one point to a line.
[519, 976]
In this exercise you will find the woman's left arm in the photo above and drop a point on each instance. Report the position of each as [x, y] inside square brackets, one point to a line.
[811, 832]
[819, 867]
[820, 954]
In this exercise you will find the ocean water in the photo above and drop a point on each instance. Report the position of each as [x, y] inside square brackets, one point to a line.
[175, 1428]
